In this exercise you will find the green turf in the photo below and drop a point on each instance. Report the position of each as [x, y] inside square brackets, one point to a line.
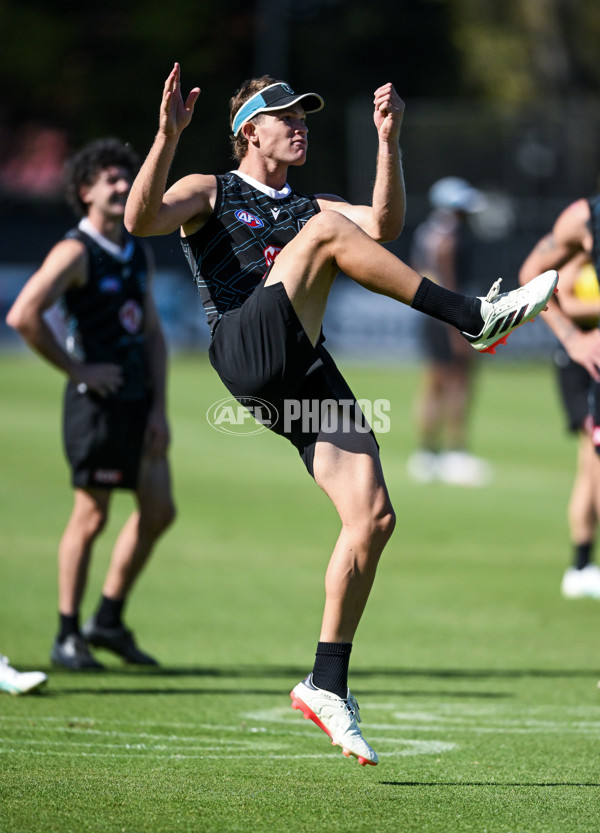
[476, 680]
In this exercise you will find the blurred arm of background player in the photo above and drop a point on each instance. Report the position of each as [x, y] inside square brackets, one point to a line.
[64, 267]
[571, 237]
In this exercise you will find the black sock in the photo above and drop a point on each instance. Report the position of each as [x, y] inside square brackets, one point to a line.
[462, 311]
[583, 555]
[67, 625]
[330, 670]
[109, 612]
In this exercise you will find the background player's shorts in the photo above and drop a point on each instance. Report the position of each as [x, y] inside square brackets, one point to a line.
[437, 345]
[103, 439]
[593, 421]
[261, 351]
[574, 384]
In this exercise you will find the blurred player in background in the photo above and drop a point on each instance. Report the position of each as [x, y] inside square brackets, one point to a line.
[442, 250]
[264, 258]
[115, 428]
[573, 247]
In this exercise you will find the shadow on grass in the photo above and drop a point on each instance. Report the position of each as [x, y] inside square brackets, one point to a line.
[273, 692]
[488, 784]
[121, 680]
[250, 671]
[295, 673]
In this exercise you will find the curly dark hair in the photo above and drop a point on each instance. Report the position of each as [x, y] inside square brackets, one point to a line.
[84, 167]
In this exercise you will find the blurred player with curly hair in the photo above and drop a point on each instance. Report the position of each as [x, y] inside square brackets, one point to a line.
[115, 428]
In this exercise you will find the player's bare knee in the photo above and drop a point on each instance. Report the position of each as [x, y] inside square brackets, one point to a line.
[92, 524]
[159, 519]
[375, 527]
[384, 525]
[168, 516]
[389, 522]
[326, 226]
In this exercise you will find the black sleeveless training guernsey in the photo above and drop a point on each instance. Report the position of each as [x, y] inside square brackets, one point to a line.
[246, 231]
[105, 317]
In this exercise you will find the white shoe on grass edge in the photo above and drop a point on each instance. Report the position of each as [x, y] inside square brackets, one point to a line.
[19, 682]
[337, 717]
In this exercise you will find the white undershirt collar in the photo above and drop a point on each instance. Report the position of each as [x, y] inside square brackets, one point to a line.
[120, 253]
[260, 186]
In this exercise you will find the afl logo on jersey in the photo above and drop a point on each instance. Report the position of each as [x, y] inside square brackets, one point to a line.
[271, 253]
[250, 220]
[130, 316]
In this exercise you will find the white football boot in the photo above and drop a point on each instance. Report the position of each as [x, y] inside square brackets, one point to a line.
[19, 682]
[337, 717]
[459, 468]
[504, 312]
[423, 466]
[581, 584]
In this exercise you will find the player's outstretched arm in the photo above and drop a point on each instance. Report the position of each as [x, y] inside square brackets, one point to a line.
[383, 220]
[389, 195]
[146, 212]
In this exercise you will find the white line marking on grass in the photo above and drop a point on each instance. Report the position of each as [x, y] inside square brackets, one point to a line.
[409, 747]
[415, 748]
[274, 733]
[259, 753]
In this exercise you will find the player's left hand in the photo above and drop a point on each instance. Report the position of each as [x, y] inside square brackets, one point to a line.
[388, 112]
[157, 437]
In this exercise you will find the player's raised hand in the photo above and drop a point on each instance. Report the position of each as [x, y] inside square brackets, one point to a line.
[388, 112]
[175, 114]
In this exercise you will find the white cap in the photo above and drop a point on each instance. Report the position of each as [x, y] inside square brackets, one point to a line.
[455, 194]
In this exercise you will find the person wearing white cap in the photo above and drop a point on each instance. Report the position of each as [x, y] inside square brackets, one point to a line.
[442, 249]
[264, 258]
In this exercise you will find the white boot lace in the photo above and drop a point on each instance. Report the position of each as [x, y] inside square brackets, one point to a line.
[494, 291]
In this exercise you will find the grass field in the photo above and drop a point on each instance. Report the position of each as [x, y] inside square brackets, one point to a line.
[476, 680]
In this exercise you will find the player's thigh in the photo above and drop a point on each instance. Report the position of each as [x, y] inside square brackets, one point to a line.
[348, 469]
[310, 251]
[306, 269]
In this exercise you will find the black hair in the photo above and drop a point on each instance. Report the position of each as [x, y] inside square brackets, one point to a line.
[84, 167]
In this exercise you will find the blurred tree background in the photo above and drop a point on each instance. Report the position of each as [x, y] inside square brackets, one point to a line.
[504, 92]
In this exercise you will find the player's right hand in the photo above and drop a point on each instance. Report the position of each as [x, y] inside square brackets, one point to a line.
[102, 379]
[175, 115]
[584, 348]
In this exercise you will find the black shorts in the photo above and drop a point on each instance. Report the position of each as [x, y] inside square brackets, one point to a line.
[574, 384]
[437, 345]
[261, 352]
[103, 439]
[593, 422]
